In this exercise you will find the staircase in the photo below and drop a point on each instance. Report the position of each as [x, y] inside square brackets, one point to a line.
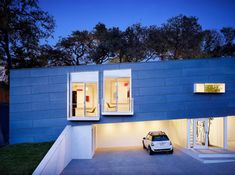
[216, 155]
[191, 134]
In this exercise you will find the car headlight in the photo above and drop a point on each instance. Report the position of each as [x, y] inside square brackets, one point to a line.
[152, 144]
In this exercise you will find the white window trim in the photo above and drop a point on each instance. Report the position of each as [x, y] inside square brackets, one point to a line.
[69, 96]
[118, 73]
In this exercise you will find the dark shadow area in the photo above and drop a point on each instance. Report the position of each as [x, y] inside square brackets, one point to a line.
[4, 124]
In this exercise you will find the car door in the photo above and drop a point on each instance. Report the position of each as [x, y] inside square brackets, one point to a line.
[145, 140]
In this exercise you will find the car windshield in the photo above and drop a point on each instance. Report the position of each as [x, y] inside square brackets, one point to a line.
[160, 138]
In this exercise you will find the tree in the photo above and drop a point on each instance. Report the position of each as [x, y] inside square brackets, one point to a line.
[100, 51]
[135, 38]
[117, 45]
[74, 49]
[156, 43]
[228, 48]
[229, 34]
[54, 56]
[183, 37]
[211, 43]
[22, 25]
[33, 56]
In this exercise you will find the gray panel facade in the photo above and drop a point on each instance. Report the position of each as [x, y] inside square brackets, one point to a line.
[161, 91]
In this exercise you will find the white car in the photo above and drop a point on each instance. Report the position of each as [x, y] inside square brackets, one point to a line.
[157, 141]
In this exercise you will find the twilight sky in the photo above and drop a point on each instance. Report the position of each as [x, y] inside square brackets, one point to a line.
[73, 15]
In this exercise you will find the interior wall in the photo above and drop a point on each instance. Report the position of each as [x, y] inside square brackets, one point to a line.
[178, 132]
[107, 91]
[216, 132]
[127, 134]
[231, 128]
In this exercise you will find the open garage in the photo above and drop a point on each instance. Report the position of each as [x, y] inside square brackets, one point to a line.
[188, 133]
[131, 134]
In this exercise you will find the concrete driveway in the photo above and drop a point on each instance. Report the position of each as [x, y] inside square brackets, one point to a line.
[137, 162]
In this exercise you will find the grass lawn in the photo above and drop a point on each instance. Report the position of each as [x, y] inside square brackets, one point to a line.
[22, 158]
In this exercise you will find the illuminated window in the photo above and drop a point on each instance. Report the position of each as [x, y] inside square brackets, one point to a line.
[209, 88]
[84, 96]
[117, 92]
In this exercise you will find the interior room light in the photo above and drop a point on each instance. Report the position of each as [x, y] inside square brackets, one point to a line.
[209, 87]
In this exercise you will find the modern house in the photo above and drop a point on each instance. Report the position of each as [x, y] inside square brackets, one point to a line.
[115, 105]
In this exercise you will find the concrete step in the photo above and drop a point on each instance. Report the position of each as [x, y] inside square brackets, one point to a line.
[211, 156]
[225, 155]
[218, 160]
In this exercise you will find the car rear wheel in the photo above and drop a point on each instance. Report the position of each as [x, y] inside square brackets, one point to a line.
[171, 151]
[143, 146]
[150, 151]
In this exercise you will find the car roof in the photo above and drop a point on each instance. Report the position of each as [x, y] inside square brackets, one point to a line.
[154, 133]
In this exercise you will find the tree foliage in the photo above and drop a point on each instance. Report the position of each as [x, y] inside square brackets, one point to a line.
[181, 37]
[75, 48]
[22, 26]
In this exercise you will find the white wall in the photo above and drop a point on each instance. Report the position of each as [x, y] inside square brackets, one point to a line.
[216, 132]
[178, 132]
[58, 156]
[82, 142]
[73, 143]
[126, 134]
[231, 128]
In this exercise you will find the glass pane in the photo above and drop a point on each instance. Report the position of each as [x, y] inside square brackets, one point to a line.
[160, 138]
[78, 99]
[91, 99]
[110, 93]
[123, 94]
[200, 133]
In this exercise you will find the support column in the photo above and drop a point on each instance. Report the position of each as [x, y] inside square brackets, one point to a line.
[188, 133]
[225, 119]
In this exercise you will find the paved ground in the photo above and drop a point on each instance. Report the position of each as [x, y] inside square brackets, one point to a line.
[137, 162]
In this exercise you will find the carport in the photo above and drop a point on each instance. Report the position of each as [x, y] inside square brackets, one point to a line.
[91, 141]
[130, 134]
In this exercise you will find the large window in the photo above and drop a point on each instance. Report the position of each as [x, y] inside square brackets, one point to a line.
[117, 92]
[84, 96]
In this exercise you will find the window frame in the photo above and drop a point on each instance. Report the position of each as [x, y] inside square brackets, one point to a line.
[69, 96]
[118, 73]
[200, 88]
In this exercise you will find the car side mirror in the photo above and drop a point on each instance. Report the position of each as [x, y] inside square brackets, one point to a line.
[144, 138]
